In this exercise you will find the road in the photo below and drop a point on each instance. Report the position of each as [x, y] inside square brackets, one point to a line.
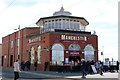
[7, 74]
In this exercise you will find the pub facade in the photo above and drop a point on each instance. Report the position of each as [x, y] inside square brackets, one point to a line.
[62, 38]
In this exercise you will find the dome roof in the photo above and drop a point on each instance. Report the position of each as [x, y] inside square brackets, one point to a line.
[61, 12]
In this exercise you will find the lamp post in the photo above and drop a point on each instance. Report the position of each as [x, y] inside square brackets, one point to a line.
[103, 52]
[112, 65]
[18, 42]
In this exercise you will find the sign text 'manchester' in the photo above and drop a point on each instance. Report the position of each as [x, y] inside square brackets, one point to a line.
[68, 37]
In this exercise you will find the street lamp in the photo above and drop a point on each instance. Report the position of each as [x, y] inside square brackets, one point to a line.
[18, 41]
[102, 53]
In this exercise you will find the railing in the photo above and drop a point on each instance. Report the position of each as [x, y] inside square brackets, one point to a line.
[44, 30]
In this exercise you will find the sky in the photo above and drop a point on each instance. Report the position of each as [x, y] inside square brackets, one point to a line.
[102, 16]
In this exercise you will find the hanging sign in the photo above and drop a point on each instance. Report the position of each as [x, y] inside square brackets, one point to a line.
[74, 53]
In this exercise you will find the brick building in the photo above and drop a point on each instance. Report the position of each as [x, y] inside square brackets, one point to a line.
[10, 45]
[58, 40]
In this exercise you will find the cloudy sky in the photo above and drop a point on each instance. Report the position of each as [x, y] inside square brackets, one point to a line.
[101, 14]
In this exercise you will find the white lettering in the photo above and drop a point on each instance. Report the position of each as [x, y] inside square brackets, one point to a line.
[63, 37]
[34, 39]
[74, 52]
[67, 37]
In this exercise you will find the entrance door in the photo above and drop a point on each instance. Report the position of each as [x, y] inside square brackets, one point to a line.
[74, 51]
[74, 58]
[11, 60]
[2, 60]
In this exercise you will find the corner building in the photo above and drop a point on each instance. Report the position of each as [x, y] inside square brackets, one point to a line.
[59, 40]
[63, 38]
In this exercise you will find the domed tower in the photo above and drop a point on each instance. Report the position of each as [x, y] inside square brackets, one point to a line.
[62, 20]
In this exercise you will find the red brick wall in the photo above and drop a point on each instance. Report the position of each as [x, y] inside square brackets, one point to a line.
[91, 39]
[5, 49]
[24, 45]
[47, 41]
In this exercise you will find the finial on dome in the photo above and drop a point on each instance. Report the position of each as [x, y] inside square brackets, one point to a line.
[62, 9]
[61, 12]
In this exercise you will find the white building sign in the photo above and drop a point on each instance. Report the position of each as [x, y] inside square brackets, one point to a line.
[34, 39]
[68, 37]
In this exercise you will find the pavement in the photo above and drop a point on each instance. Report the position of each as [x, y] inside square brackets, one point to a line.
[77, 76]
[105, 75]
[68, 75]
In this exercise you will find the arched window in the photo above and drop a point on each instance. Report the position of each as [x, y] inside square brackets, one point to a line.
[32, 54]
[57, 54]
[74, 47]
[39, 54]
[89, 52]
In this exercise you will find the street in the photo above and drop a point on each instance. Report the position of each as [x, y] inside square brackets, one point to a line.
[7, 74]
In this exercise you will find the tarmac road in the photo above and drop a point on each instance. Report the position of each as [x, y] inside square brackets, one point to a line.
[49, 75]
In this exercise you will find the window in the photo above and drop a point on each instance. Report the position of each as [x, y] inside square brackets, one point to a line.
[39, 54]
[74, 25]
[89, 52]
[57, 54]
[71, 25]
[82, 28]
[59, 23]
[11, 44]
[45, 25]
[77, 25]
[66, 27]
[67, 24]
[32, 55]
[49, 24]
[63, 23]
[52, 24]
[74, 47]
[56, 24]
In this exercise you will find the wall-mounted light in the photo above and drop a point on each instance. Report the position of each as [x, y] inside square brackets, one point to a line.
[67, 52]
[5, 57]
[82, 52]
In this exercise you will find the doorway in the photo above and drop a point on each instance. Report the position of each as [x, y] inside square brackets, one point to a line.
[11, 60]
[2, 60]
[74, 58]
